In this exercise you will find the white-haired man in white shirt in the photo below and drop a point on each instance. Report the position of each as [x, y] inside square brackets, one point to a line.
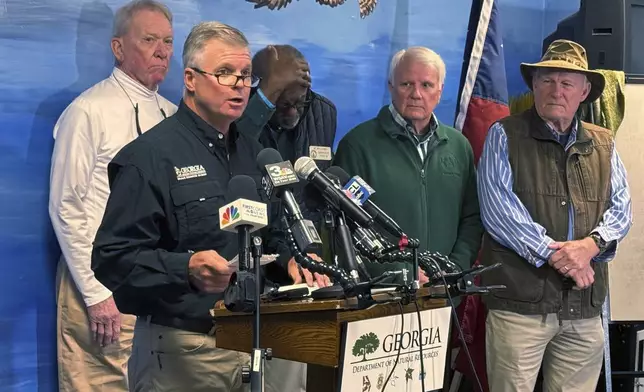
[94, 338]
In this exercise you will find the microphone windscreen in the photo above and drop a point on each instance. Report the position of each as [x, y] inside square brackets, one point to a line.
[304, 166]
[242, 187]
[338, 172]
[266, 157]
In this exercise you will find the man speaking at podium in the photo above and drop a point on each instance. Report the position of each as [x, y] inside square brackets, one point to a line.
[160, 248]
[421, 169]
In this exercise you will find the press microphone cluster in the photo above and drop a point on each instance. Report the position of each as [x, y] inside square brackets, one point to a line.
[331, 192]
[278, 178]
[306, 169]
[361, 192]
[277, 181]
[368, 240]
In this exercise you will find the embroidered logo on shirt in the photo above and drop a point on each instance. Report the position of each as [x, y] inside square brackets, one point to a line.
[449, 165]
[187, 172]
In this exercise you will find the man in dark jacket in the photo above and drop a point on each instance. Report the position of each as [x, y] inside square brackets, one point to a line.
[285, 114]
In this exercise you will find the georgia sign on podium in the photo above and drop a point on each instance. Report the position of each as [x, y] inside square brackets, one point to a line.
[371, 346]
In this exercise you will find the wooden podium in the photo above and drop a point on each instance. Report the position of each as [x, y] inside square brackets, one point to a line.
[309, 331]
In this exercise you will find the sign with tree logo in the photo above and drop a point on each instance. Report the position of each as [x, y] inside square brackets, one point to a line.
[386, 352]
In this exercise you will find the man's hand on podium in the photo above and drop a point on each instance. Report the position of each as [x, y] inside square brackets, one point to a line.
[297, 273]
[422, 277]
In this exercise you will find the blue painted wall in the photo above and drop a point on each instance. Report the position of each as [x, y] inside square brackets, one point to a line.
[53, 49]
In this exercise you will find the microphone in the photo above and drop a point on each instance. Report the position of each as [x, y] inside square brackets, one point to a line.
[362, 191]
[464, 282]
[306, 169]
[244, 215]
[278, 177]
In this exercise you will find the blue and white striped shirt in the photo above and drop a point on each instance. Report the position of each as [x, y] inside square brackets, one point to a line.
[509, 222]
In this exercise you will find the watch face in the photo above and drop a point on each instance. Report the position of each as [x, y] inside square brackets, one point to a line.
[601, 244]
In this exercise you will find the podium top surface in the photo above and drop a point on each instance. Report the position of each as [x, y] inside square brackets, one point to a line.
[310, 305]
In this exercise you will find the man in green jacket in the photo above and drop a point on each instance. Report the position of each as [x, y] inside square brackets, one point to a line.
[422, 170]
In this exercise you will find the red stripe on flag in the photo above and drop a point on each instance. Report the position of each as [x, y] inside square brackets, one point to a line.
[481, 114]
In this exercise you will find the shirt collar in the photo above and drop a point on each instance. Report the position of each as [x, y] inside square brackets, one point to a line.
[204, 131]
[566, 139]
[398, 118]
[134, 89]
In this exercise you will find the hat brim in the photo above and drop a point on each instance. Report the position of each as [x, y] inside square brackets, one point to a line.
[596, 79]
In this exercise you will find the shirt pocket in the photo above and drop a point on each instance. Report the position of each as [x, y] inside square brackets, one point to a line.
[196, 208]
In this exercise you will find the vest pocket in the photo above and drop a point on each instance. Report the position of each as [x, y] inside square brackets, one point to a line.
[523, 281]
[600, 287]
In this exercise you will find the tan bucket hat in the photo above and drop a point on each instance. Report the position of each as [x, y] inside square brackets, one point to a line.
[567, 55]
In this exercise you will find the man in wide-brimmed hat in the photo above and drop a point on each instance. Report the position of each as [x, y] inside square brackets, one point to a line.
[555, 203]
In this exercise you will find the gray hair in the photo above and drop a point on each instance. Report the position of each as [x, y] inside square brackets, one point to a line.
[205, 32]
[124, 15]
[419, 53]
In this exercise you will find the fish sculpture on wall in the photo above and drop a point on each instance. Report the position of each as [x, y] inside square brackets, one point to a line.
[366, 6]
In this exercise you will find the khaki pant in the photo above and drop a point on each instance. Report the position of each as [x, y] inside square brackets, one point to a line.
[281, 375]
[82, 364]
[166, 359]
[516, 345]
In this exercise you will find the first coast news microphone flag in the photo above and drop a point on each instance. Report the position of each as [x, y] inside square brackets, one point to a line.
[483, 99]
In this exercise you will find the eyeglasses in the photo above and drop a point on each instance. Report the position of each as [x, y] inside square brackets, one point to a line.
[230, 79]
[297, 106]
[301, 104]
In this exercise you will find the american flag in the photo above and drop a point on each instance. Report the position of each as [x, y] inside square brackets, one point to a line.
[483, 100]
[483, 90]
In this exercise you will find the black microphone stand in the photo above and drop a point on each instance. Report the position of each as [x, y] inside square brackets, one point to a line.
[259, 354]
[347, 255]
[243, 236]
[328, 216]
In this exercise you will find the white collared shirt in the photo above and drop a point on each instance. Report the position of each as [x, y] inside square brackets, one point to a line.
[89, 133]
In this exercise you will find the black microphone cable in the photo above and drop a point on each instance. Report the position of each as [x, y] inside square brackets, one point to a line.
[460, 330]
[402, 329]
[321, 268]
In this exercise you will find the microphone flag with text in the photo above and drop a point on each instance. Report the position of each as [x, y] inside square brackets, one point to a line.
[361, 192]
[244, 215]
[278, 178]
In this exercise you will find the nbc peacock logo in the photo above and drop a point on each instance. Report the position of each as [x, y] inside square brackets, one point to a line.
[231, 214]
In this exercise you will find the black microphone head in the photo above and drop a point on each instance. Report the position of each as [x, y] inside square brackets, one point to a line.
[339, 173]
[268, 156]
[242, 187]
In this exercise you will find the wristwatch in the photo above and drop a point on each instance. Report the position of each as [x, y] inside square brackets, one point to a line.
[599, 241]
